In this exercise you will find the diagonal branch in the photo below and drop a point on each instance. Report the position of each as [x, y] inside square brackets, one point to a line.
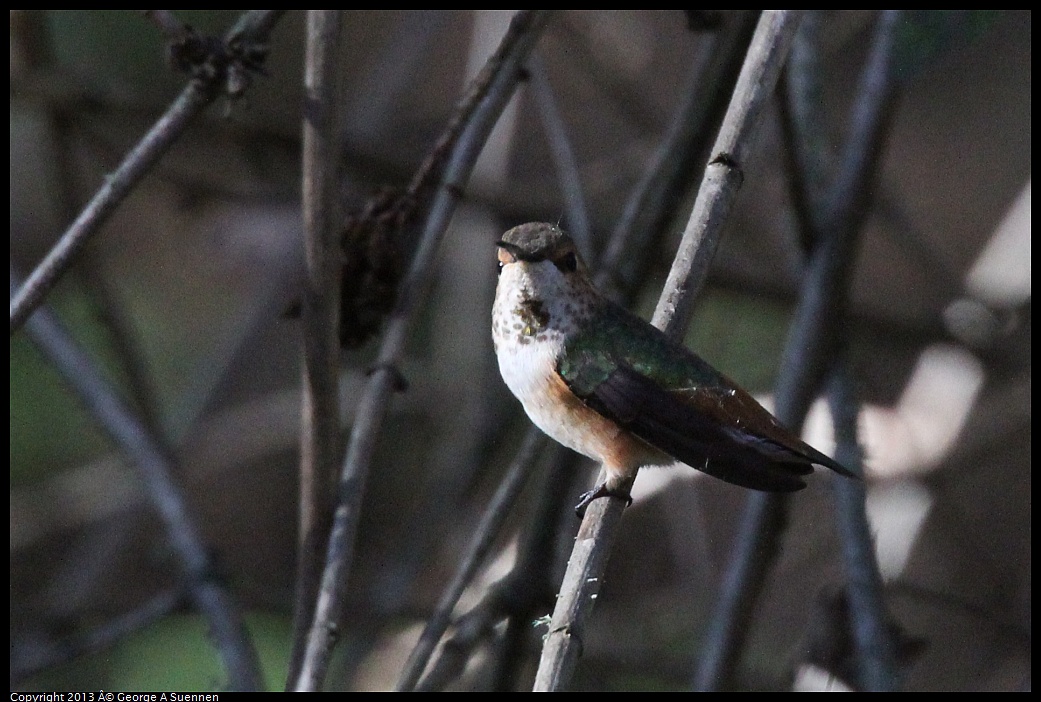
[871, 632]
[246, 38]
[811, 167]
[724, 173]
[156, 470]
[564, 163]
[29, 661]
[813, 344]
[486, 532]
[679, 157]
[506, 65]
[867, 613]
[718, 189]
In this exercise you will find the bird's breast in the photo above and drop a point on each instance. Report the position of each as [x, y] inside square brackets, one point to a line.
[530, 333]
[529, 371]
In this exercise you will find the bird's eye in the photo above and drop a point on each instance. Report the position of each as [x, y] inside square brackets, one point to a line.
[568, 263]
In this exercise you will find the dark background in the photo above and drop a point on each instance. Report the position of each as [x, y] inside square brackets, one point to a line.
[182, 298]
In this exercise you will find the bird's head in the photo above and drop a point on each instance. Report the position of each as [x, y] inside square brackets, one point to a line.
[543, 259]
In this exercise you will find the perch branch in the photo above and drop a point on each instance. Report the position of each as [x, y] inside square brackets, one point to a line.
[660, 191]
[722, 179]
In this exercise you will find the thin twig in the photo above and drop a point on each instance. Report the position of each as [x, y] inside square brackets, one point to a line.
[871, 632]
[506, 63]
[320, 442]
[810, 350]
[676, 163]
[724, 173]
[486, 532]
[251, 29]
[722, 180]
[61, 125]
[27, 661]
[156, 469]
[531, 583]
[811, 166]
[563, 156]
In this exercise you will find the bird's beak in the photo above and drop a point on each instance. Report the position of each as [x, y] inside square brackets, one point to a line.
[507, 252]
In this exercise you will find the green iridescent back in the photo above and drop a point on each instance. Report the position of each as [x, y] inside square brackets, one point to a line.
[617, 336]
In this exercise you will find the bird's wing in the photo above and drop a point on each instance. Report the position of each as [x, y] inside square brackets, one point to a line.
[684, 407]
[698, 433]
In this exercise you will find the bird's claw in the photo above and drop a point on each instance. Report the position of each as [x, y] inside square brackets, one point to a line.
[599, 491]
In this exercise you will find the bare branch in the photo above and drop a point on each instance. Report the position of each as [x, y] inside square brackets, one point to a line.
[813, 343]
[834, 223]
[156, 469]
[724, 173]
[871, 632]
[484, 536]
[719, 187]
[320, 443]
[564, 162]
[250, 31]
[578, 592]
[810, 175]
[27, 661]
[676, 161]
[506, 67]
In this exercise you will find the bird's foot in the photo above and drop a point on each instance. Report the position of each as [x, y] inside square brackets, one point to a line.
[599, 491]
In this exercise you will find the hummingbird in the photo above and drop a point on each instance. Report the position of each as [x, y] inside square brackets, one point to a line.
[609, 385]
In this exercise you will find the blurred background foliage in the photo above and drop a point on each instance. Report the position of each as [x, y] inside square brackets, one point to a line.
[182, 299]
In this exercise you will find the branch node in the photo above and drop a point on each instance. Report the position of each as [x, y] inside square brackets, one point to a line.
[216, 63]
[726, 159]
[568, 632]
